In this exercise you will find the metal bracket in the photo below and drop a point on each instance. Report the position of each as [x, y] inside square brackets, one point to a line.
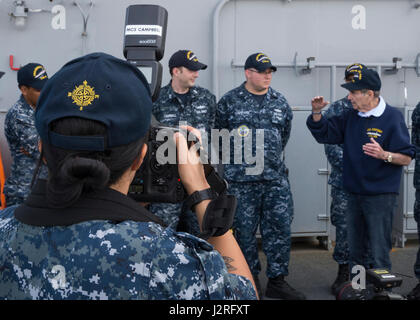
[397, 65]
[323, 172]
[310, 65]
[323, 217]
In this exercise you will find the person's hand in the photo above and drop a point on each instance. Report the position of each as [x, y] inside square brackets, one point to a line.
[374, 150]
[190, 168]
[318, 103]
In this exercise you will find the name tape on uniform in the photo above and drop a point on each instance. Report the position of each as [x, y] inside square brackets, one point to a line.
[143, 30]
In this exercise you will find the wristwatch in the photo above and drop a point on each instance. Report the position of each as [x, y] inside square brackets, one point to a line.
[388, 158]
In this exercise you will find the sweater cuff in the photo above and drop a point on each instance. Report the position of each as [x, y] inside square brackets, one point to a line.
[314, 125]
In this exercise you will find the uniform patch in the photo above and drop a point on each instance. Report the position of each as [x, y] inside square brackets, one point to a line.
[374, 132]
[243, 130]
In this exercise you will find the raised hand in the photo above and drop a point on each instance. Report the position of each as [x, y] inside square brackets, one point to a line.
[318, 103]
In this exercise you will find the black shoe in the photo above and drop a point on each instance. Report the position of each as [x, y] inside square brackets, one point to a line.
[342, 276]
[278, 288]
[257, 285]
[415, 293]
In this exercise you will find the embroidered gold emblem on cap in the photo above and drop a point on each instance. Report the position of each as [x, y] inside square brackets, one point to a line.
[191, 56]
[261, 57]
[83, 95]
[39, 72]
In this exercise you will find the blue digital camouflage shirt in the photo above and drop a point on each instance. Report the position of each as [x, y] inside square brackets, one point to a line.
[415, 140]
[22, 137]
[334, 152]
[199, 111]
[239, 111]
[104, 260]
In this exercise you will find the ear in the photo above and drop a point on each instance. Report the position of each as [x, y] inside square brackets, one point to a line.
[247, 73]
[24, 90]
[139, 160]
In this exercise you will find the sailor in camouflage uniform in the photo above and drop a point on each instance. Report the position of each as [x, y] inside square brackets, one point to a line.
[339, 197]
[415, 140]
[181, 101]
[264, 197]
[87, 239]
[21, 135]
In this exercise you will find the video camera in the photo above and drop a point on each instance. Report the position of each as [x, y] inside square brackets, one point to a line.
[144, 44]
[158, 179]
[380, 281]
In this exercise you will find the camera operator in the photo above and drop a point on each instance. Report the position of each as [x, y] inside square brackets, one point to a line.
[78, 236]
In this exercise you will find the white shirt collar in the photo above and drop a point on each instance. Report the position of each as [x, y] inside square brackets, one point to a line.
[377, 111]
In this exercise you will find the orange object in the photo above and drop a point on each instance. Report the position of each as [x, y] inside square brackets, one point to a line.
[2, 181]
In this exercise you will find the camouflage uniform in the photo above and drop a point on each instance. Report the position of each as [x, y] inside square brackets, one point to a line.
[19, 129]
[339, 197]
[264, 200]
[104, 260]
[415, 140]
[199, 113]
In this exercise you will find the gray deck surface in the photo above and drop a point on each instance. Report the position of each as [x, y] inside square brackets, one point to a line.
[312, 269]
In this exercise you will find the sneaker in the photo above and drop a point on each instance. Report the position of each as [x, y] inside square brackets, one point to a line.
[342, 277]
[415, 293]
[278, 288]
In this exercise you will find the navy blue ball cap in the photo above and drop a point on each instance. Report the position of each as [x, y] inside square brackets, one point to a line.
[260, 62]
[32, 75]
[98, 87]
[364, 78]
[353, 68]
[187, 59]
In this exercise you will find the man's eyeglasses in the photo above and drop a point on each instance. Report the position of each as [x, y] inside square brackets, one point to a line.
[268, 71]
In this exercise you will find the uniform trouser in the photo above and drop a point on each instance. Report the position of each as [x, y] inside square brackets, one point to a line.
[370, 217]
[339, 202]
[417, 218]
[268, 205]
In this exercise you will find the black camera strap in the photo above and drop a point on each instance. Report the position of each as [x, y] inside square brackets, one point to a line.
[218, 218]
[215, 181]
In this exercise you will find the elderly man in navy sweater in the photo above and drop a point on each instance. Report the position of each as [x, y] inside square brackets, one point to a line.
[376, 146]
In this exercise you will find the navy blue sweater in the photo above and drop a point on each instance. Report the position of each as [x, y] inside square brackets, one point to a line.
[363, 174]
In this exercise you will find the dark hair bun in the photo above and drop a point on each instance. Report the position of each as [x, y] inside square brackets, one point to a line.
[76, 175]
